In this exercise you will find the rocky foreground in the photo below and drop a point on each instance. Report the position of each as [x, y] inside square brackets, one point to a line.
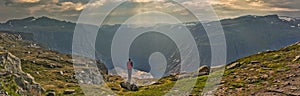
[273, 73]
[28, 69]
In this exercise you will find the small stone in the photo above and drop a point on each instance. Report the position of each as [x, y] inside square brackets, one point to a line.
[293, 88]
[69, 91]
[204, 70]
[254, 62]
[264, 77]
[282, 70]
[115, 89]
[158, 83]
[182, 76]
[296, 58]
[276, 56]
[252, 69]
[4, 73]
[61, 72]
[234, 65]
[264, 68]
[2, 48]
[28, 52]
[173, 78]
[223, 82]
[252, 80]
[51, 94]
[134, 87]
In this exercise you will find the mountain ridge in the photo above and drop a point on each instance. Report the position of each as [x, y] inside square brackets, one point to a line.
[247, 76]
[245, 36]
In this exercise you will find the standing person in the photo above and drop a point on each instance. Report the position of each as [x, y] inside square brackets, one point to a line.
[129, 67]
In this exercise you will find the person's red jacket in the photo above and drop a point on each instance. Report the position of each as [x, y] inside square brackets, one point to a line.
[129, 65]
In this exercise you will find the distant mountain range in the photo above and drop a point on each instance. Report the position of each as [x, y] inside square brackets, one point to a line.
[245, 36]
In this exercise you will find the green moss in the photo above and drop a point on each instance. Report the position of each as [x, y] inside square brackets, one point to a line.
[263, 71]
[228, 72]
[237, 84]
[10, 86]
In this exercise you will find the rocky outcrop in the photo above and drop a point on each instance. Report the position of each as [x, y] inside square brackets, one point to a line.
[11, 63]
[53, 70]
[89, 71]
[128, 86]
[24, 81]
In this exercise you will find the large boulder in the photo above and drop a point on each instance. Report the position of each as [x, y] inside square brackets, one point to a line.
[69, 91]
[128, 86]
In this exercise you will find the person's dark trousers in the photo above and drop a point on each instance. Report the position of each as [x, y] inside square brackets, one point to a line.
[129, 75]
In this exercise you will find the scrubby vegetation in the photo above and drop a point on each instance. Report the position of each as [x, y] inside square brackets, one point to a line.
[266, 73]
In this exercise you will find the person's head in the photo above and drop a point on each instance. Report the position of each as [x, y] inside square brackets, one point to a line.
[129, 59]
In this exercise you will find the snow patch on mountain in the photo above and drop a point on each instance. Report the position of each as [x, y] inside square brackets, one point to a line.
[285, 18]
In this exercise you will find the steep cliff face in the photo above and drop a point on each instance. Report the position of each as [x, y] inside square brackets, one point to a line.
[11, 66]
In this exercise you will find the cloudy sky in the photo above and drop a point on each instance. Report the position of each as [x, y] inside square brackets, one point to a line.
[71, 9]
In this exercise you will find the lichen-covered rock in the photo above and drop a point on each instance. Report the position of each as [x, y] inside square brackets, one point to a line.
[25, 81]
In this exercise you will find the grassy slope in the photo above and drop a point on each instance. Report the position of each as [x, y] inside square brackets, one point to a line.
[244, 80]
[35, 62]
[266, 76]
[257, 75]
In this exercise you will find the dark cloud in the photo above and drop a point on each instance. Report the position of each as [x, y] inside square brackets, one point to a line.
[76, 1]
